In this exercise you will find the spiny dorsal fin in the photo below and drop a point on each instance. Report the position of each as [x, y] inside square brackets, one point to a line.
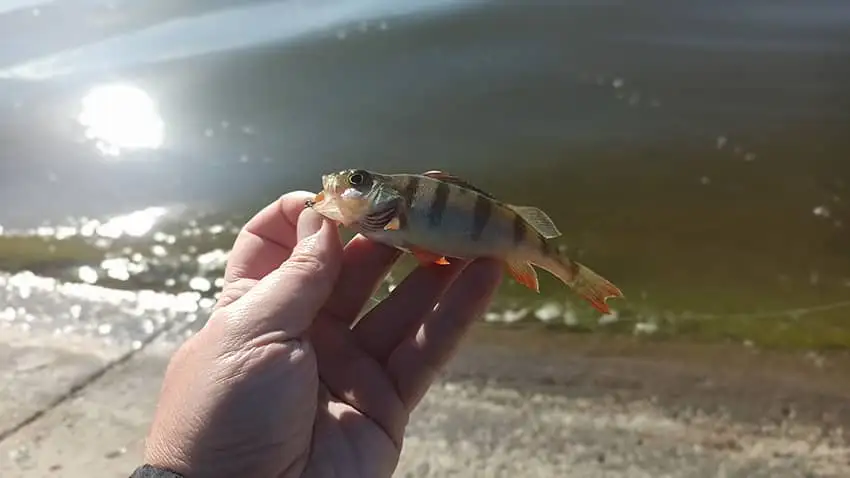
[444, 176]
[538, 220]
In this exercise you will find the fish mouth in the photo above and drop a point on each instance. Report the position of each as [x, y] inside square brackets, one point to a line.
[326, 202]
[326, 192]
[331, 186]
[318, 197]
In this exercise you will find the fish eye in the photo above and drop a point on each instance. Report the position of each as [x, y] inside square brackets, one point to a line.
[357, 178]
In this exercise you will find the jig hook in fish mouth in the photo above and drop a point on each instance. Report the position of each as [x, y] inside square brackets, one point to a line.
[317, 198]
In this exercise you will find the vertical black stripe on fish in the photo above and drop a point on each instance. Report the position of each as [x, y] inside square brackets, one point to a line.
[402, 221]
[481, 215]
[438, 205]
[544, 245]
[574, 267]
[519, 229]
[408, 193]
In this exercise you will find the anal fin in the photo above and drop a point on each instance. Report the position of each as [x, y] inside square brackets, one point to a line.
[523, 273]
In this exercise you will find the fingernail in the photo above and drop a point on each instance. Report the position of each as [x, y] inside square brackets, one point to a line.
[309, 223]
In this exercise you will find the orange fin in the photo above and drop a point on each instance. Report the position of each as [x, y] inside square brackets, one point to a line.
[589, 285]
[393, 225]
[427, 258]
[523, 273]
[449, 178]
[594, 288]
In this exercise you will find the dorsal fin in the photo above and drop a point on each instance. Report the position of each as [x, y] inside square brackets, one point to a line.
[449, 178]
[538, 220]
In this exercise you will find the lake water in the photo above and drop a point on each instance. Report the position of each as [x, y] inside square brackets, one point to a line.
[695, 154]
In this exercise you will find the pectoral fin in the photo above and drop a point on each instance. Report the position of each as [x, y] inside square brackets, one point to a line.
[523, 273]
[538, 220]
[393, 225]
[426, 258]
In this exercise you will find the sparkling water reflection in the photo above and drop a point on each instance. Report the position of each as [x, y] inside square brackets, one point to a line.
[120, 117]
[187, 255]
[82, 310]
[133, 224]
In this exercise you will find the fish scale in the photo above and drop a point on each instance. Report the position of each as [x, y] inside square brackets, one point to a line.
[438, 217]
[456, 220]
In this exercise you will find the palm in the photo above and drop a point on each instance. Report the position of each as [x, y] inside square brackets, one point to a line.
[335, 450]
[346, 441]
[369, 376]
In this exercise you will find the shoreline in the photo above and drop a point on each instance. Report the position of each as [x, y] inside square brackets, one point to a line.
[749, 384]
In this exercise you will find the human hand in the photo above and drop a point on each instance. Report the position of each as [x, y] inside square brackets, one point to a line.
[279, 384]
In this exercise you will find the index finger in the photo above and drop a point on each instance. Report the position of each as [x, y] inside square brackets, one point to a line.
[267, 239]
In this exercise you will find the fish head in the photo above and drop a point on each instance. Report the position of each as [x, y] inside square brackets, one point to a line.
[349, 195]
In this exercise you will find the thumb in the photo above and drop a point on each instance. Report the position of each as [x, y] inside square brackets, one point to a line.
[285, 302]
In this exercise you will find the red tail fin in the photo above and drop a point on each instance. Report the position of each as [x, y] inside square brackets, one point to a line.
[588, 284]
[594, 288]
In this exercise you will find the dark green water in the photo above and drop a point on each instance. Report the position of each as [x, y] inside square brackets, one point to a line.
[695, 155]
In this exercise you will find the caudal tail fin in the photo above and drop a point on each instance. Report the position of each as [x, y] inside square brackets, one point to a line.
[588, 284]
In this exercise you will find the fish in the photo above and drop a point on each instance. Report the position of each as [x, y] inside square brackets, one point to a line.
[439, 217]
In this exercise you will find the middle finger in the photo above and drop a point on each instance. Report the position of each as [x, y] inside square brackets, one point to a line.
[365, 263]
[383, 327]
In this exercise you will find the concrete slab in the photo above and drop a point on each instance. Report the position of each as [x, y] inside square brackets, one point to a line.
[99, 431]
[461, 429]
[57, 338]
[33, 378]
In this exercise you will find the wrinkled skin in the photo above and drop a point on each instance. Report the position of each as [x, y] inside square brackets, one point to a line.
[278, 383]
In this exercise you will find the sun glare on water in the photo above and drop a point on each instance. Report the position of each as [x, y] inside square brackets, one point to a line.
[120, 117]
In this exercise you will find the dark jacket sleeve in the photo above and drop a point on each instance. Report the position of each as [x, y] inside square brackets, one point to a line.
[147, 471]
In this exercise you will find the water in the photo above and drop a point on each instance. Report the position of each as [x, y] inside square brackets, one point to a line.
[694, 154]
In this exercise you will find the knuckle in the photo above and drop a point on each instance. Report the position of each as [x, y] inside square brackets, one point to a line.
[233, 292]
[304, 264]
